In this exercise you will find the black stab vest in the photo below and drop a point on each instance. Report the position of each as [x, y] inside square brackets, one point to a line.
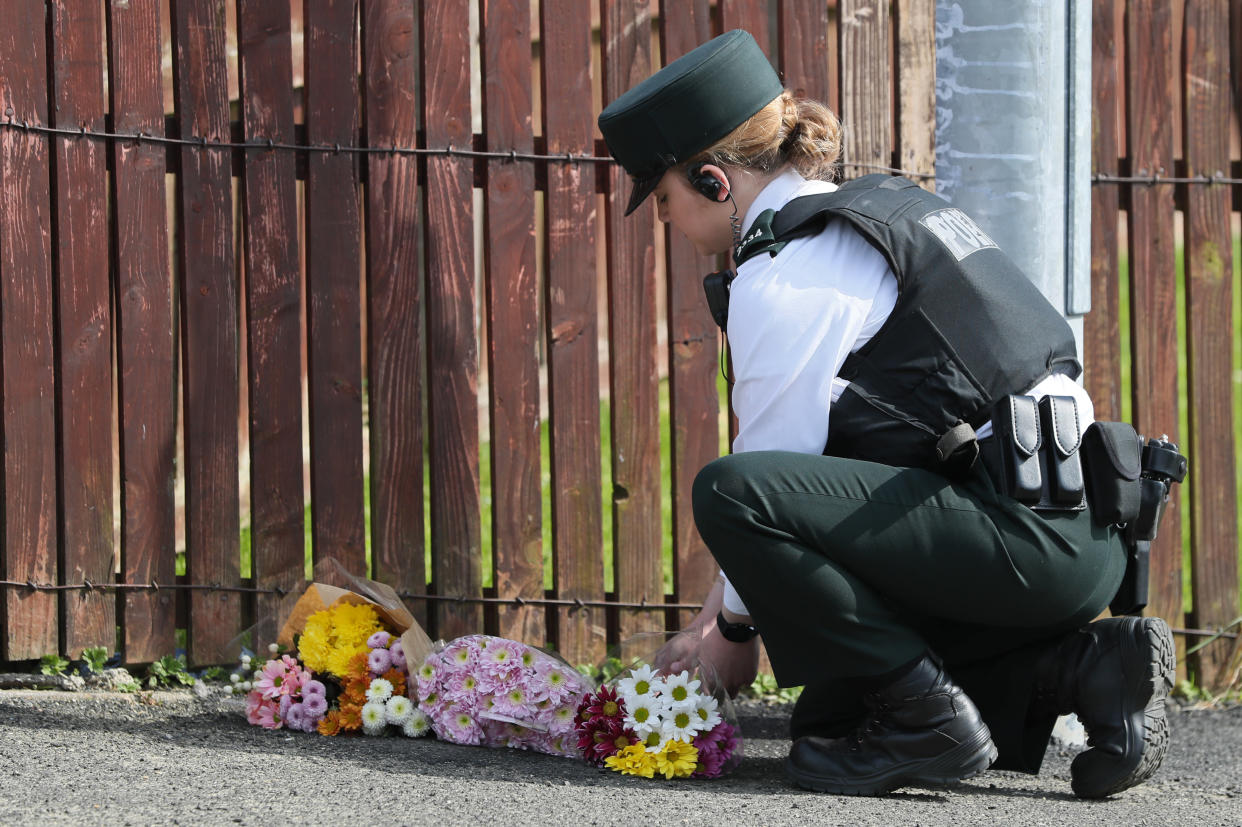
[968, 327]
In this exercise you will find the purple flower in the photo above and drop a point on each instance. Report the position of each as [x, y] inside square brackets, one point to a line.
[379, 640]
[397, 653]
[378, 661]
[315, 705]
[314, 687]
[296, 716]
[286, 701]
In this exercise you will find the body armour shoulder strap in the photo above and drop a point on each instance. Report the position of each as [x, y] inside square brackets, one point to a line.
[968, 327]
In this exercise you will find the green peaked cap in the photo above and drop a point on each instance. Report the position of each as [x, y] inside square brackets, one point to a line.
[686, 107]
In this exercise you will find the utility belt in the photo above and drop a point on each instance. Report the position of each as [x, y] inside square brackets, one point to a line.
[1039, 455]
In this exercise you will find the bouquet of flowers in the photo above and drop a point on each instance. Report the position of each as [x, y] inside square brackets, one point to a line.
[339, 666]
[648, 724]
[490, 691]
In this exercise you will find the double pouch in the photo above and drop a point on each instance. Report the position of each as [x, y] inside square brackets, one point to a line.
[1033, 454]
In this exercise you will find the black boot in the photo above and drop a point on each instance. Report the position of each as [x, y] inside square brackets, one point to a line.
[1115, 675]
[922, 729]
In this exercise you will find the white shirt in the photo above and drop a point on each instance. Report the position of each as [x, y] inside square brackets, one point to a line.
[794, 317]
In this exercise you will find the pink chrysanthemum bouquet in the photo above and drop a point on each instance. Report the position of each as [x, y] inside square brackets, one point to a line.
[490, 691]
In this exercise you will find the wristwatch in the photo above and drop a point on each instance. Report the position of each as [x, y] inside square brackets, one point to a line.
[735, 632]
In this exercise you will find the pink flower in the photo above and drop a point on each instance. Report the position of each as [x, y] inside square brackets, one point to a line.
[254, 700]
[457, 725]
[460, 654]
[271, 680]
[717, 750]
[515, 703]
[267, 715]
[503, 656]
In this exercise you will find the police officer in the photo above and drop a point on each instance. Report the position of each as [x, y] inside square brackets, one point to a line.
[937, 625]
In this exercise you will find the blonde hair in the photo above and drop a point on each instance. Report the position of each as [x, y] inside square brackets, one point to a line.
[799, 131]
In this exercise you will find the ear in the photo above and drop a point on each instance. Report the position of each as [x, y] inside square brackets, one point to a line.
[720, 175]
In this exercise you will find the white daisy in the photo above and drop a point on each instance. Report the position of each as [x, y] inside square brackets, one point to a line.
[654, 741]
[642, 715]
[706, 709]
[373, 717]
[680, 725]
[642, 682]
[397, 709]
[680, 690]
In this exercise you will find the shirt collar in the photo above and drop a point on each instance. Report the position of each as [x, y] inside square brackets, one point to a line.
[778, 192]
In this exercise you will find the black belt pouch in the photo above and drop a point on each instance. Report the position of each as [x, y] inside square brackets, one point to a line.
[1112, 453]
[1012, 454]
[1062, 465]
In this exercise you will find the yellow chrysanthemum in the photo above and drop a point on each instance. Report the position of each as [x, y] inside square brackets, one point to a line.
[633, 760]
[332, 637]
[677, 759]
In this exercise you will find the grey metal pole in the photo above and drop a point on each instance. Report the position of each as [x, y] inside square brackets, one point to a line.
[1013, 139]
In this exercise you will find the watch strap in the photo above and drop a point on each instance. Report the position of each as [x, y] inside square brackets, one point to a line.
[735, 632]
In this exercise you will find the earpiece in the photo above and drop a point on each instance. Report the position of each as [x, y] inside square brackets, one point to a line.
[708, 185]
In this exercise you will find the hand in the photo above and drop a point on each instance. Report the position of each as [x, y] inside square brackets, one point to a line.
[681, 652]
[727, 665]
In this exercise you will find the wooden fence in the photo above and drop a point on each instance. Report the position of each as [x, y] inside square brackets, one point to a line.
[1167, 81]
[324, 223]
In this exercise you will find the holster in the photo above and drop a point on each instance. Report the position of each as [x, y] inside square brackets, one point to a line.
[1033, 453]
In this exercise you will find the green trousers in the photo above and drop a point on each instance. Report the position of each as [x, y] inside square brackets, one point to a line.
[852, 569]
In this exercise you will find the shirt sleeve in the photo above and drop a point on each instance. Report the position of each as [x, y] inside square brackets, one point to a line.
[793, 319]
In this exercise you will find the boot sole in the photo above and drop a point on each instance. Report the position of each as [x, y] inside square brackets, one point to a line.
[966, 760]
[1148, 639]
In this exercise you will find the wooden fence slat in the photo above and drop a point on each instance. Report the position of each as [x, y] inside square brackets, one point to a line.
[751, 15]
[29, 414]
[452, 347]
[693, 343]
[573, 361]
[916, 89]
[394, 299]
[84, 363]
[334, 306]
[209, 332]
[866, 80]
[625, 35]
[1209, 328]
[802, 33]
[145, 364]
[512, 295]
[273, 309]
[1149, 81]
[1101, 335]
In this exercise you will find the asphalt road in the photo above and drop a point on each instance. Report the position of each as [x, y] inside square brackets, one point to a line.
[175, 758]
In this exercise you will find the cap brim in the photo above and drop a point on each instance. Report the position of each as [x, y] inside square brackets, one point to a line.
[642, 188]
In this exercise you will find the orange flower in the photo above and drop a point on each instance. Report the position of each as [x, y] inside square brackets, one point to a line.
[397, 678]
[351, 718]
[358, 666]
[330, 724]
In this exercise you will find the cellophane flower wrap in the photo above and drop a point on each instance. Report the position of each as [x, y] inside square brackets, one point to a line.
[491, 691]
[340, 665]
[653, 724]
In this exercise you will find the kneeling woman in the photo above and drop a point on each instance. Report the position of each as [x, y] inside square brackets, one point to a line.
[937, 625]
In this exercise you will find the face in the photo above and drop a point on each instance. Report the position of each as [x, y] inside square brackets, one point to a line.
[704, 222]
